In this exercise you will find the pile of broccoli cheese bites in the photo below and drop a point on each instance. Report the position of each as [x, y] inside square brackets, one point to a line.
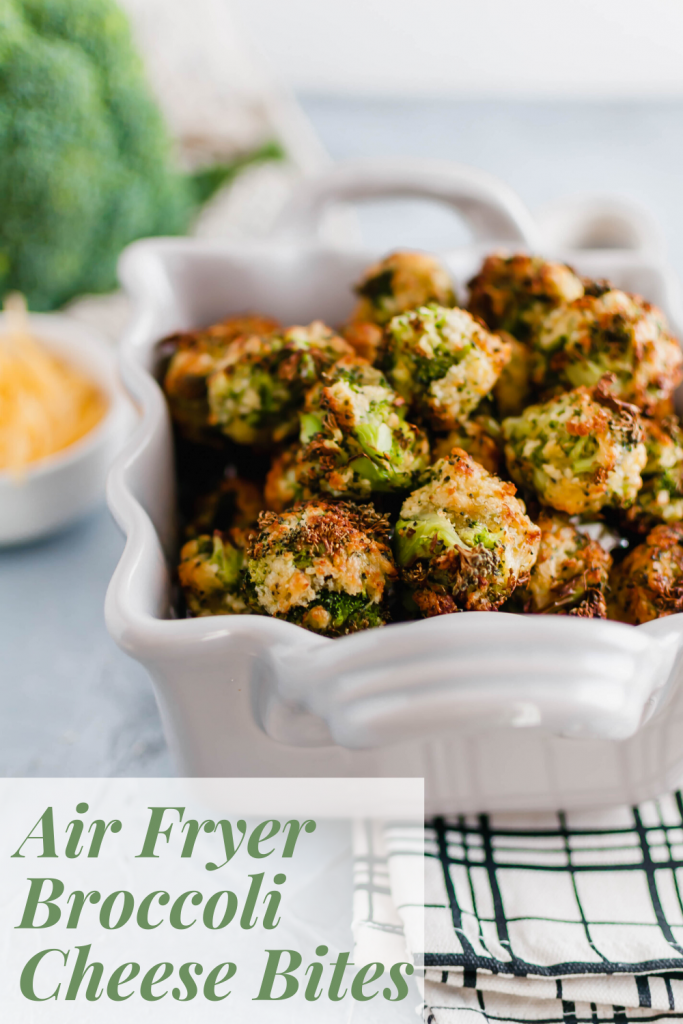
[519, 453]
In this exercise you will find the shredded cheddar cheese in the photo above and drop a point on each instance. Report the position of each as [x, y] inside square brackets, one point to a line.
[45, 404]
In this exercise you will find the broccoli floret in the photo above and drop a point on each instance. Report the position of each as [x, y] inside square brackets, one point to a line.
[648, 584]
[571, 573]
[515, 293]
[613, 333]
[259, 385]
[400, 282]
[210, 573]
[463, 541]
[354, 440]
[442, 362]
[660, 499]
[580, 452]
[85, 163]
[324, 566]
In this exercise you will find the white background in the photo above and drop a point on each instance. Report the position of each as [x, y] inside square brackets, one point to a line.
[466, 48]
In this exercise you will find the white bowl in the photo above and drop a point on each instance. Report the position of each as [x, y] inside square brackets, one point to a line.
[57, 490]
[479, 704]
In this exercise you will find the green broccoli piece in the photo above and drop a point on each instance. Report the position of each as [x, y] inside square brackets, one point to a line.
[85, 159]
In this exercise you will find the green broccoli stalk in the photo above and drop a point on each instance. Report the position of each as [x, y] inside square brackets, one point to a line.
[85, 158]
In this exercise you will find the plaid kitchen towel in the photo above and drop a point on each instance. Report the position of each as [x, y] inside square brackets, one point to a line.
[548, 917]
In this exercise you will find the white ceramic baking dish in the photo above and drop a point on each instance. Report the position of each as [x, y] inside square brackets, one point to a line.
[494, 710]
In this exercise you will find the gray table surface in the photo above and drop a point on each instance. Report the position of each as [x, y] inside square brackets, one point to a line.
[70, 702]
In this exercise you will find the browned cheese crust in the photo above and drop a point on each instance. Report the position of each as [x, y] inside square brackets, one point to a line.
[648, 584]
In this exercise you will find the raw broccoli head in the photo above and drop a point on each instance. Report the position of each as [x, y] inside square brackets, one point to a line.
[84, 155]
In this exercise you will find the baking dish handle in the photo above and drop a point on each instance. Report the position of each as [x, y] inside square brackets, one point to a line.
[458, 674]
[493, 212]
[580, 223]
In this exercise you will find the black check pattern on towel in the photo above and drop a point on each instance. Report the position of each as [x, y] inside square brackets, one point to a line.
[503, 882]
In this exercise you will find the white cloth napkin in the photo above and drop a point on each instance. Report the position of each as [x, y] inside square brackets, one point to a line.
[547, 917]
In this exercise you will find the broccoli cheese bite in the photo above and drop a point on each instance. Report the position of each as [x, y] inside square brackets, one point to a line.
[648, 584]
[479, 436]
[210, 573]
[579, 452]
[463, 541]
[233, 503]
[660, 499]
[571, 573]
[196, 355]
[354, 440]
[400, 282]
[516, 293]
[442, 362]
[513, 390]
[365, 339]
[322, 565]
[258, 387]
[609, 333]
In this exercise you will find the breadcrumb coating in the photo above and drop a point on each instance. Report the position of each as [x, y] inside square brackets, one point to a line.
[442, 362]
[195, 355]
[354, 441]
[579, 452]
[660, 499]
[571, 573]
[515, 293]
[612, 333]
[365, 339]
[514, 390]
[258, 387]
[401, 281]
[210, 573]
[648, 584]
[326, 566]
[480, 436]
[463, 541]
